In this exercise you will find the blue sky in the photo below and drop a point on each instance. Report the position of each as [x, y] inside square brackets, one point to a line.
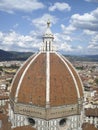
[74, 24]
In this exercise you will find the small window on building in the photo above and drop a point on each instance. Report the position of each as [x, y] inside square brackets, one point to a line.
[31, 121]
[62, 122]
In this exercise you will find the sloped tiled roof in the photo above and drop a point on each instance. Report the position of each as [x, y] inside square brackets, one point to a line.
[30, 82]
[87, 126]
[91, 112]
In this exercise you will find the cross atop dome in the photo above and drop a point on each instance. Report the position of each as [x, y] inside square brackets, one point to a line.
[48, 23]
[48, 32]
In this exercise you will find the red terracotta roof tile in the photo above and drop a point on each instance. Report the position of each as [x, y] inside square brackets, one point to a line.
[87, 126]
[33, 86]
[17, 78]
[76, 77]
[91, 112]
[61, 83]
[5, 125]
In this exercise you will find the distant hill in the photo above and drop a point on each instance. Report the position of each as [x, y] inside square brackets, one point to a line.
[92, 58]
[12, 55]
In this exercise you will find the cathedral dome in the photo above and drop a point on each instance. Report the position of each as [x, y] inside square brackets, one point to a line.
[41, 79]
[46, 85]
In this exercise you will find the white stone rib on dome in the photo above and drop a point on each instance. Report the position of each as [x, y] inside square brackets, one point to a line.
[20, 69]
[75, 71]
[17, 91]
[47, 78]
[71, 75]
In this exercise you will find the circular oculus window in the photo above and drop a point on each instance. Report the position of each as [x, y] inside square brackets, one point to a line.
[31, 121]
[62, 122]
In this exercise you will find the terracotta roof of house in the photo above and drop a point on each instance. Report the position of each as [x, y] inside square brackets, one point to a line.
[91, 112]
[30, 82]
[4, 97]
[5, 125]
[87, 126]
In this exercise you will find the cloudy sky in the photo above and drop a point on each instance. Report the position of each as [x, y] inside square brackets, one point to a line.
[74, 24]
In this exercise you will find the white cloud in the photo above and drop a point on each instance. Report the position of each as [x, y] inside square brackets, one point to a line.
[33, 41]
[66, 47]
[94, 43]
[88, 32]
[60, 7]
[87, 27]
[67, 30]
[79, 47]
[88, 24]
[10, 6]
[1, 36]
[87, 21]
[60, 38]
[9, 38]
[18, 42]
[63, 43]
[91, 0]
